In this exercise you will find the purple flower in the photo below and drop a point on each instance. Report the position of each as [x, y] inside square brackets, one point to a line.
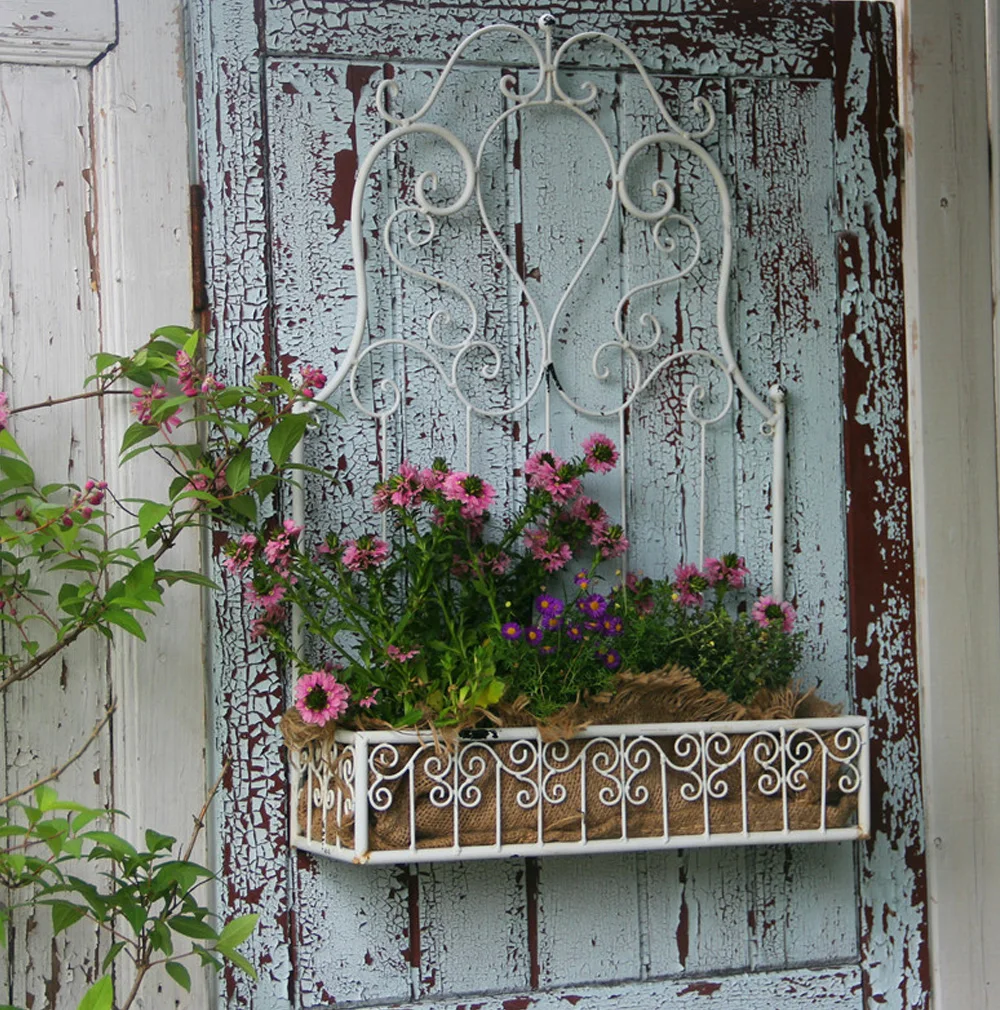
[574, 632]
[552, 622]
[611, 625]
[546, 650]
[612, 658]
[548, 605]
[533, 634]
[582, 579]
[593, 606]
[512, 631]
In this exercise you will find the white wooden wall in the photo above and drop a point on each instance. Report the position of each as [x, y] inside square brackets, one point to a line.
[94, 175]
[96, 253]
[953, 420]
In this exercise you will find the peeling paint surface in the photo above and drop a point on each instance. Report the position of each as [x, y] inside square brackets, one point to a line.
[806, 137]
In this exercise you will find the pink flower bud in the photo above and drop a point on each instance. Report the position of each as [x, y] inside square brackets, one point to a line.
[89, 486]
[67, 520]
[96, 498]
[86, 512]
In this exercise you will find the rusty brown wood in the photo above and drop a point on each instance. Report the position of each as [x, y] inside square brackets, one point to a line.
[894, 958]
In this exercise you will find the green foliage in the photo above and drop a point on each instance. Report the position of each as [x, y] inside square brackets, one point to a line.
[146, 900]
[63, 574]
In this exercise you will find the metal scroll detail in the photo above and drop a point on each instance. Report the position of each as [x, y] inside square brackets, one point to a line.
[393, 796]
[633, 355]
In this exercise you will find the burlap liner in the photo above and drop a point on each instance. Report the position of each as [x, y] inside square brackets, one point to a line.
[662, 696]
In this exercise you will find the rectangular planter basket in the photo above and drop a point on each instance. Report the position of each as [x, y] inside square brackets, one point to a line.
[400, 796]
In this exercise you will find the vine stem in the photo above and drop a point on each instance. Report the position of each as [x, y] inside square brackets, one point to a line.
[53, 401]
[140, 974]
[199, 821]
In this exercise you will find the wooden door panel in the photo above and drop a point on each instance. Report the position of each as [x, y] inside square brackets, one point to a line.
[798, 120]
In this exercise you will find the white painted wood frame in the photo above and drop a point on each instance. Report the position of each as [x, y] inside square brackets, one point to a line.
[953, 423]
[94, 161]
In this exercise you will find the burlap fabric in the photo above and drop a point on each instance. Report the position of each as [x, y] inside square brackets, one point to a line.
[663, 696]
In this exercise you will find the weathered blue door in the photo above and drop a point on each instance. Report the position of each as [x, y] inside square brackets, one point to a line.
[807, 140]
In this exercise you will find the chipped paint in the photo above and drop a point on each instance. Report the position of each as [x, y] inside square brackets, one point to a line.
[807, 101]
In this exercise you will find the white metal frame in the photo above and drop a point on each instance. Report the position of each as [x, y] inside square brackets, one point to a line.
[766, 762]
[419, 220]
[780, 748]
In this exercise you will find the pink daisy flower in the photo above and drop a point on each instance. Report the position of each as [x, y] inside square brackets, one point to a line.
[600, 453]
[541, 467]
[320, 697]
[690, 584]
[242, 554]
[729, 570]
[397, 654]
[4, 411]
[433, 477]
[364, 553]
[369, 701]
[549, 550]
[266, 599]
[472, 491]
[611, 543]
[769, 612]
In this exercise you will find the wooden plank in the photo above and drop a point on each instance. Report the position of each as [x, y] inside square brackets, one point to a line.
[950, 179]
[56, 32]
[473, 931]
[895, 968]
[803, 904]
[564, 192]
[834, 988]
[354, 926]
[48, 330]
[681, 37]
[143, 246]
[248, 694]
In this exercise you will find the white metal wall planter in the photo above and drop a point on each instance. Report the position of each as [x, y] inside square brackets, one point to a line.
[397, 795]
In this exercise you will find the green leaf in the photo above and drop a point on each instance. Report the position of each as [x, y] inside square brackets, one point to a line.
[176, 334]
[155, 841]
[285, 436]
[240, 961]
[264, 486]
[64, 915]
[17, 470]
[75, 565]
[243, 505]
[160, 939]
[136, 433]
[116, 845]
[8, 444]
[188, 925]
[103, 360]
[238, 470]
[113, 952]
[125, 620]
[134, 913]
[86, 817]
[179, 974]
[150, 514]
[99, 996]
[236, 931]
[170, 576]
[46, 798]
